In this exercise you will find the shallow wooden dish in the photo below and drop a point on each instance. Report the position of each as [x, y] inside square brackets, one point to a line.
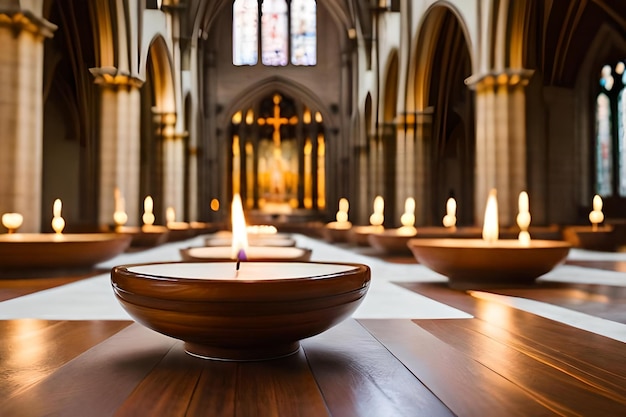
[474, 263]
[585, 237]
[234, 318]
[145, 236]
[390, 242]
[359, 235]
[36, 251]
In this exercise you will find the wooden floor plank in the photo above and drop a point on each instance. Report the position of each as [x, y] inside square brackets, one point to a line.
[14, 284]
[568, 341]
[465, 385]
[569, 387]
[96, 382]
[30, 350]
[605, 301]
[359, 377]
[281, 387]
[167, 389]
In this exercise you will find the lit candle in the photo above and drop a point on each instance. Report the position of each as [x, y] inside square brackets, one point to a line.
[596, 216]
[58, 224]
[377, 218]
[490, 223]
[12, 221]
[148, 216]
[523, 219]
[119, 216]
[342, 214]
[170, 215]
[240, 235]
[254, 271]
[408, 218]
[449, 220]
[240, 249]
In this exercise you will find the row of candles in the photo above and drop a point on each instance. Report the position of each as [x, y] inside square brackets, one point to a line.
[12, 221]
[490, 232]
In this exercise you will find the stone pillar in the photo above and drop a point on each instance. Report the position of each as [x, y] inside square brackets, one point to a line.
[22, 35]
[500, 141]
[120, 144]
[173, 164]
[421, 156]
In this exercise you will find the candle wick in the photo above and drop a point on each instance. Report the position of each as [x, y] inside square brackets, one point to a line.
[238, 264]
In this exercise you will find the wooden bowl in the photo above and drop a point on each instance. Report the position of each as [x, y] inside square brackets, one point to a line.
[145, 236]
[262, 314]
[37, 251]
[474, 263]
[391, 241]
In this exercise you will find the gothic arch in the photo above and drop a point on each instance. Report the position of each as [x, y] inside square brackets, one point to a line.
[443, 108]
[267, 86]
[608, 45]
[162, 74]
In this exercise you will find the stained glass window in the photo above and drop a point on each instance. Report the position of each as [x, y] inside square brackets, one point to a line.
[274, 33]
[610, 132]
[303, 32]
[288, 32]
[245, 32]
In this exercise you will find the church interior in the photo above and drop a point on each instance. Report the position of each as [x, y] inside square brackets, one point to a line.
[363, 132]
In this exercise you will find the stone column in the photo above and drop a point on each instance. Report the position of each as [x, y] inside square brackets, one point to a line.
[22, 34]
[120, 144]
[422, 155]
[500, 141]
[173, 165]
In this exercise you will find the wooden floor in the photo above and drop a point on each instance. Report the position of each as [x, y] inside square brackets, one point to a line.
[502, 362]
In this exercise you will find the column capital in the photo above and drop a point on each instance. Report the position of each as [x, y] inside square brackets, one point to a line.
[23, 20]
[509, 77]
[114, 78]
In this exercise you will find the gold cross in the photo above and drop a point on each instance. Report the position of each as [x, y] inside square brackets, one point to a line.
[277, 121]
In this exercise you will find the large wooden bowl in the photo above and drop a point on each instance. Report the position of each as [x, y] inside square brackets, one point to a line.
[221, 316]
[38, 251]
[474, 263]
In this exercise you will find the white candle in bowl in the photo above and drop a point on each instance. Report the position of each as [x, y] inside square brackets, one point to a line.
[250, 271]
[252, 252]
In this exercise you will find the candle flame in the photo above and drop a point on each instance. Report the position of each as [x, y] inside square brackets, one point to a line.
[490, 223]
[408, 217]
[377, 218]
[342, 214]
[240, 235]
[449, 220]
[523, 219]
[148, 216]
[12, 221]
[596, 216]
[170, 215]
[58, 224]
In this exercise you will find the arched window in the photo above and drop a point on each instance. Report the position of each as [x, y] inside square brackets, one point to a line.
[287, 33]
[245, 32]
[610, 136]
[303, 32]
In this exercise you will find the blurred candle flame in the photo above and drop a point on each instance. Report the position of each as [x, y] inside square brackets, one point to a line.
[490, 223]
[240, 233]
